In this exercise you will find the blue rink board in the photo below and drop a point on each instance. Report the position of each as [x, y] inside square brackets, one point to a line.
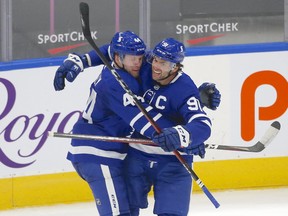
[195, 51]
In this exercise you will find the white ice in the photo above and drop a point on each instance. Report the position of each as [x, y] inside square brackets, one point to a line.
[233, 203]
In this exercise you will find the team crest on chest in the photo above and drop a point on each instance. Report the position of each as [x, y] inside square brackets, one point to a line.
[156, 87]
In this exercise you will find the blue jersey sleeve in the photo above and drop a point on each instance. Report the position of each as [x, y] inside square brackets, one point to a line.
[194, 117]
[93, 58]
[179, 102]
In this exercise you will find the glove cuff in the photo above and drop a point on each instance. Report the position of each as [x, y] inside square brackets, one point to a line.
[77, 60]
[184, 136]
[86, 61]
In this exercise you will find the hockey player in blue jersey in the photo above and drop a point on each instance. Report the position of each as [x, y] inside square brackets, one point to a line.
[175, 95]
[166, 66]
[101, 163]
[177, 98]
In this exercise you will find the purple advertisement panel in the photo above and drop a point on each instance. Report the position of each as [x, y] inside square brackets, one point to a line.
[29, 109]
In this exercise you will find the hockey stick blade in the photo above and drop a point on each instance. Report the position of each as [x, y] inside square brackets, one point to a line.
[84, 13]
[266, 139]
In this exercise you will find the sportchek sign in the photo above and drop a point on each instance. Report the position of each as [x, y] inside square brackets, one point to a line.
[213, 27]
[213, 31]
[76, 39]
[74, 36]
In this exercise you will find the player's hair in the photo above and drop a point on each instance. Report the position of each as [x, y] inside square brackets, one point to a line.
[127, 42]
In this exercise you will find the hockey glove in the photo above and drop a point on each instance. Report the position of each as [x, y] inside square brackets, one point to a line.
[196, 150]
[209, 95]
[172, 138]
[69, 70]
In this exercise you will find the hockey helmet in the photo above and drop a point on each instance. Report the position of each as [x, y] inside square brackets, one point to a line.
[170, 50]
[125, 43]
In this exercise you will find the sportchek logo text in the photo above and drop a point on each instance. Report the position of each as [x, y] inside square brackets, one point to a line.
[213, 30]
[207, 28]
[64, 37]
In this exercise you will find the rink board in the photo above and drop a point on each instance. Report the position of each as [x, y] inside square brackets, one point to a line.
[217, 175]
[34, 169]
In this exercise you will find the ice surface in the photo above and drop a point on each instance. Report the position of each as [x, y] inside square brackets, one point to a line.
[233, 203]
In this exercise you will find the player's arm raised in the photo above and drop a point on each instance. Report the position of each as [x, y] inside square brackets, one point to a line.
[76, 63]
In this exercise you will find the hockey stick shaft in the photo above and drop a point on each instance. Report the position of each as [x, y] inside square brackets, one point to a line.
[101, 138]
[84, 11]
[258, 147]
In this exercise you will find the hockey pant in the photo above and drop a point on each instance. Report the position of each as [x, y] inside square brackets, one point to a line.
[108, 187]
[171, 184]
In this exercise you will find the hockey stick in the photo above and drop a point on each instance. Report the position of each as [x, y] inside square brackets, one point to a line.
[267, 138]
[101, 138]
[84, 11]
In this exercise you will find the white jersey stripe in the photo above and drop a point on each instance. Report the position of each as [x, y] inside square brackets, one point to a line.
[138, 116]
[152, 149]
[149, 124]
[177, 77]
[199, 116]
[207, 122]
[98, 152]
[111, 190]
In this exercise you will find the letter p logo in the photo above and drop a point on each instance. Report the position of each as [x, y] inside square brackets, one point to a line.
[248, 90]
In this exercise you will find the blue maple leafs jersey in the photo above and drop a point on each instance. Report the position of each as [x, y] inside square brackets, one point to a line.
[179, 102]
[110, 111]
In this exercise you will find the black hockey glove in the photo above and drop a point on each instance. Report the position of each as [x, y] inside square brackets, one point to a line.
[209, 95]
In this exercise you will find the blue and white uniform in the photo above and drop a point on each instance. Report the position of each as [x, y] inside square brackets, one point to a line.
[110, 111]
[150, 165]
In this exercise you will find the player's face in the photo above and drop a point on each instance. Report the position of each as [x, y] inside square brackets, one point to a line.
[162, 70]
[132, 64]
